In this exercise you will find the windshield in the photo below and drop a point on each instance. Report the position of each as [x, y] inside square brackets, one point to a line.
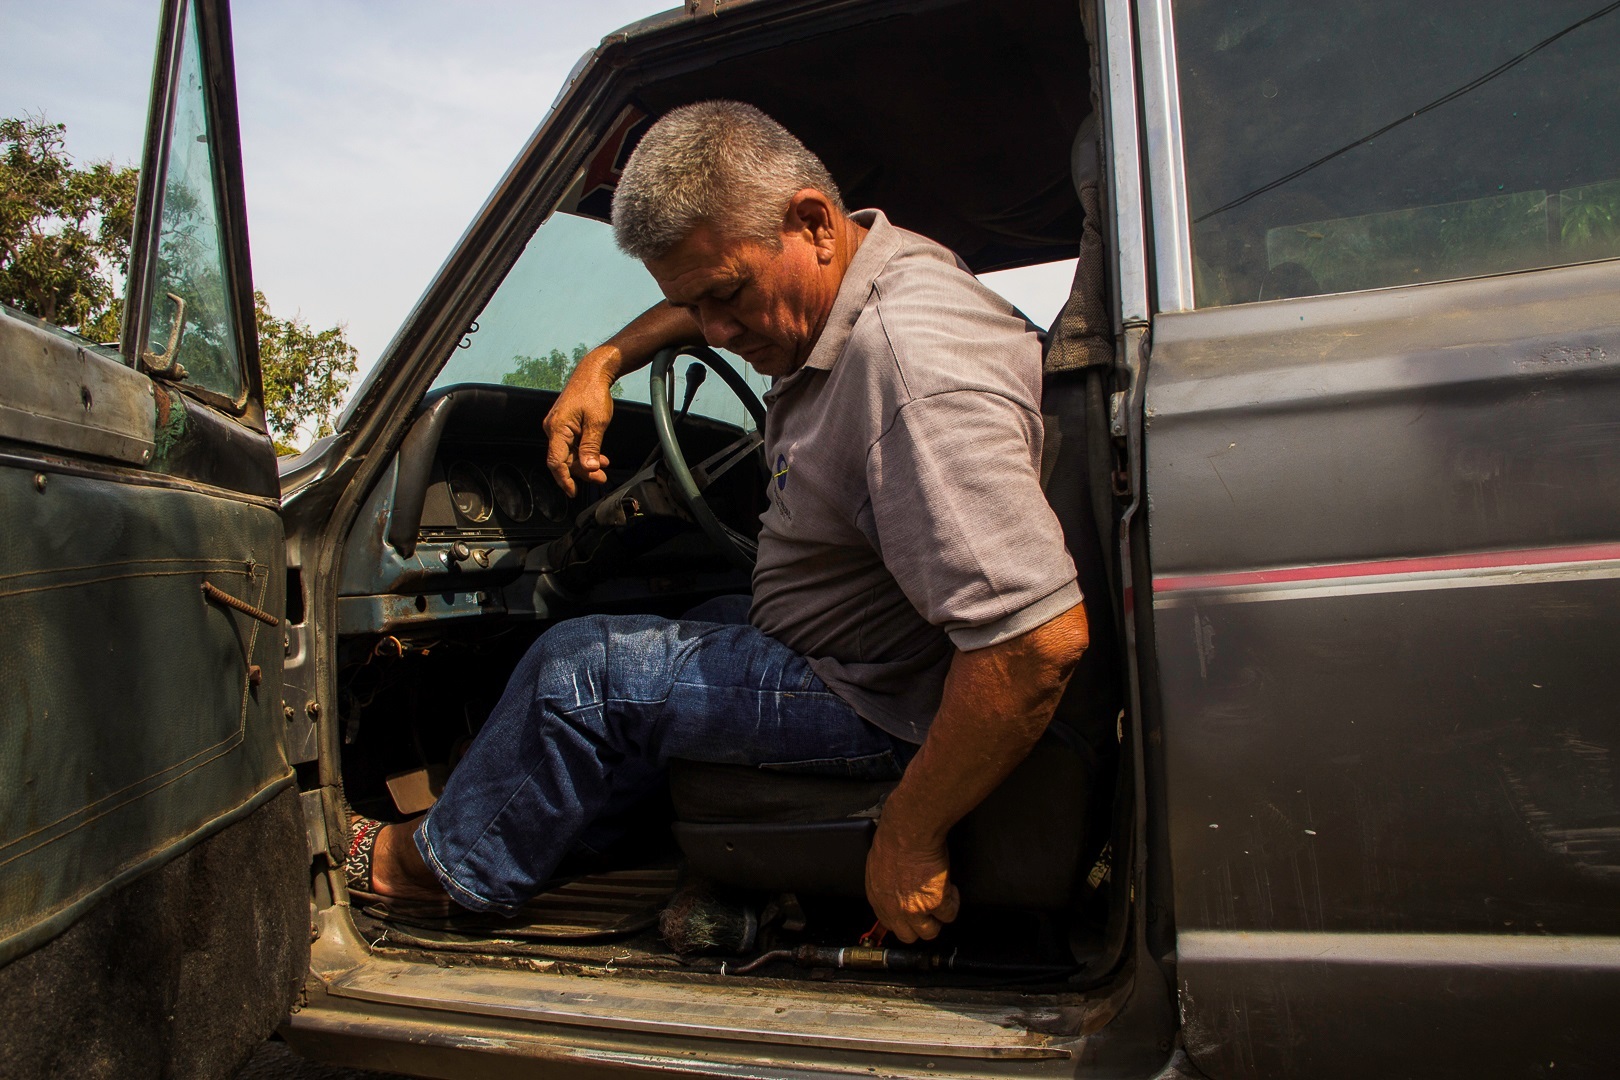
[569, 291]
[572, 288]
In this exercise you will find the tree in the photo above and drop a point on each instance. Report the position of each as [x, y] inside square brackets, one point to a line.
[305, 374]
[64, 252]
[549, 372]
[64, 230]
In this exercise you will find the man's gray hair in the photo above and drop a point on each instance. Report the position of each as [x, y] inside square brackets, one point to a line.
[718, 162]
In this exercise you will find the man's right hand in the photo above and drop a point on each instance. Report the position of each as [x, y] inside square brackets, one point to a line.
[576, 423]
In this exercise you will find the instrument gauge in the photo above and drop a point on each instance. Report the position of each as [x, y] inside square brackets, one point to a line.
[553, 504]
[470, 492]
[512, 494]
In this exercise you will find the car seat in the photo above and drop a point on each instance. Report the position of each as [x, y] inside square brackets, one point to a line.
[1033, 840]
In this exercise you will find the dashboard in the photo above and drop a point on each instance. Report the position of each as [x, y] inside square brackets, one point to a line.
[469, 522]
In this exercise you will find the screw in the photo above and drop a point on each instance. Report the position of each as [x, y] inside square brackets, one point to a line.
[313, 709]
[287, 713]
[39, 482]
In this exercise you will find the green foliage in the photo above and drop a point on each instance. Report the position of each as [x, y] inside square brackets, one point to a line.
[306, 372]
[549, 372]
[1426, 243]
[64, 251]
[1590, 225]
[64, 229]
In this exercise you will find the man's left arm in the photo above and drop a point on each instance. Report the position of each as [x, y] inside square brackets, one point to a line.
[997, 702]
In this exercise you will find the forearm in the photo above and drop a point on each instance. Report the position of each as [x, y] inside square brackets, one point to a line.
[576, 423]
[997, 703]
[633, 348]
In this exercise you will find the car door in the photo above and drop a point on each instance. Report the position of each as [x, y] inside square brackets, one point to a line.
[153, 901]
[1382, 430]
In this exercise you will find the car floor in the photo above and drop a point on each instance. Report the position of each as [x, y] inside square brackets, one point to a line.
[626, 919]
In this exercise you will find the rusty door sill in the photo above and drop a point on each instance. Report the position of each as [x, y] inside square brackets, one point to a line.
[738, 1012]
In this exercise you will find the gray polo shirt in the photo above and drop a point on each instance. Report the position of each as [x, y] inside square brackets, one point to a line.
[906, 516]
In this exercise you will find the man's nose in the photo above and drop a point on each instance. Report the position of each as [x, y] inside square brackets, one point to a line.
[719, 328]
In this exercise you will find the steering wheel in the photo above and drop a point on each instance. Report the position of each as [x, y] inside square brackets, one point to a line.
[690, 481]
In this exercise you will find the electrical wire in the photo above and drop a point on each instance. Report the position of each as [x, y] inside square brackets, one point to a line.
[1444, 99]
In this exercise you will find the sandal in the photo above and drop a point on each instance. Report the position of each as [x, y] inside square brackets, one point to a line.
[357, 866]
[363, 832]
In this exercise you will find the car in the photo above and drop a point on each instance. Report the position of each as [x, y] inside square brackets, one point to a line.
[1336, 397]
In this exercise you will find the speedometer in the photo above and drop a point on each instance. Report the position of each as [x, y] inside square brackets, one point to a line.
[512, 494]
[470, 492]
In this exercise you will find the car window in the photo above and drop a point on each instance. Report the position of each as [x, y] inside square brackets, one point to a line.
[1356, 144]
[191, 321]
[569, 290]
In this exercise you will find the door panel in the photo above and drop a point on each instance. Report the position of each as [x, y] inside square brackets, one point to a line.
[1385, 534]
[153, 900]
[139, 711]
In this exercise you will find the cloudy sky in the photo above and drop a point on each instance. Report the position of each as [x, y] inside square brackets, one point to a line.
[371, 132]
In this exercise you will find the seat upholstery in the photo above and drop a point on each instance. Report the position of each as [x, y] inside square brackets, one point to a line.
[1025, 846]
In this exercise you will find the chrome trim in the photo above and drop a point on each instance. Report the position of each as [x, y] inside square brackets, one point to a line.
[1121, 145]
[1469, 952]
[1167, 178]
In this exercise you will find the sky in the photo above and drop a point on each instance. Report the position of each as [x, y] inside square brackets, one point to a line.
[371, 132]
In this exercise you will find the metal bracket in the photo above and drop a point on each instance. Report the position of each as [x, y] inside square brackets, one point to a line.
[163, 365]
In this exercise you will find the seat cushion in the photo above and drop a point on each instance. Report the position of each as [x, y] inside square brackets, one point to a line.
[1028, 845]
[741, 794]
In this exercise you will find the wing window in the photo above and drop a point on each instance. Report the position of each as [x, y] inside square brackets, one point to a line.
[191, 332]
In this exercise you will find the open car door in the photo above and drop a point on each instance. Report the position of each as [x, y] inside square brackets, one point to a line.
[153, 904]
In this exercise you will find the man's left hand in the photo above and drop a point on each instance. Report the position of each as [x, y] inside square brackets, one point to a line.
[909, 886]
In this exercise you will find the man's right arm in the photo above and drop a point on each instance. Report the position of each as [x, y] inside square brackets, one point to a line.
[577, 422]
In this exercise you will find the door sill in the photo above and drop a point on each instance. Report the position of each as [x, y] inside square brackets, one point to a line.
[752, 1012]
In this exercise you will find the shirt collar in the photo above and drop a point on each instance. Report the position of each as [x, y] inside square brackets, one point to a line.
[877, 248]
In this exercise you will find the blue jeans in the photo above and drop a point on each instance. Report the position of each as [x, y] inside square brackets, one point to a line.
[595, 711]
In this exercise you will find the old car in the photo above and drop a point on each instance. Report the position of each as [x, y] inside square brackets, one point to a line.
[1336, 394]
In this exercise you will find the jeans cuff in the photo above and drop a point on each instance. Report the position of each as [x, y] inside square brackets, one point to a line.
[458, 892]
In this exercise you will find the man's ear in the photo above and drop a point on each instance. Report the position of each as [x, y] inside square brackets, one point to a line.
[810, 216]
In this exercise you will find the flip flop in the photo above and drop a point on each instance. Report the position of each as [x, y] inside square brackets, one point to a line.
[357, 868]
[363, 833]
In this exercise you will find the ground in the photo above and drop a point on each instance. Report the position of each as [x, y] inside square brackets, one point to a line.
[274, 1061]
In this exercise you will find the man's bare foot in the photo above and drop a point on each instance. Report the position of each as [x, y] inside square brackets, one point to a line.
[397, 868]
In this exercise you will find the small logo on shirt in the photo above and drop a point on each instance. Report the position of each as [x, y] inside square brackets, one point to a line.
[781, 473]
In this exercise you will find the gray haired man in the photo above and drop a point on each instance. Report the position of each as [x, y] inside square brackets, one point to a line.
[914, 611]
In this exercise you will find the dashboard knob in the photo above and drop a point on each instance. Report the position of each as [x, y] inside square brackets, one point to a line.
[459, 553]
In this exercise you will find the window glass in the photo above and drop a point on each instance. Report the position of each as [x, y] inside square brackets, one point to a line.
[191, 321]
[1354, 144]
[568, 292]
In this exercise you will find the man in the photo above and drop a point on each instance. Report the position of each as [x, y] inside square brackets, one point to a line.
[914, 606]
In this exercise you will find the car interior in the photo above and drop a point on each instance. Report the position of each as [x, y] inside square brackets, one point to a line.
[963, 122]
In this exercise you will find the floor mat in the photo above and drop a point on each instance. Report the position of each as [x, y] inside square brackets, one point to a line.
[580, 909]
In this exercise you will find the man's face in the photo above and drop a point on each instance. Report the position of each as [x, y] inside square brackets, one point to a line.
[766, 306]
